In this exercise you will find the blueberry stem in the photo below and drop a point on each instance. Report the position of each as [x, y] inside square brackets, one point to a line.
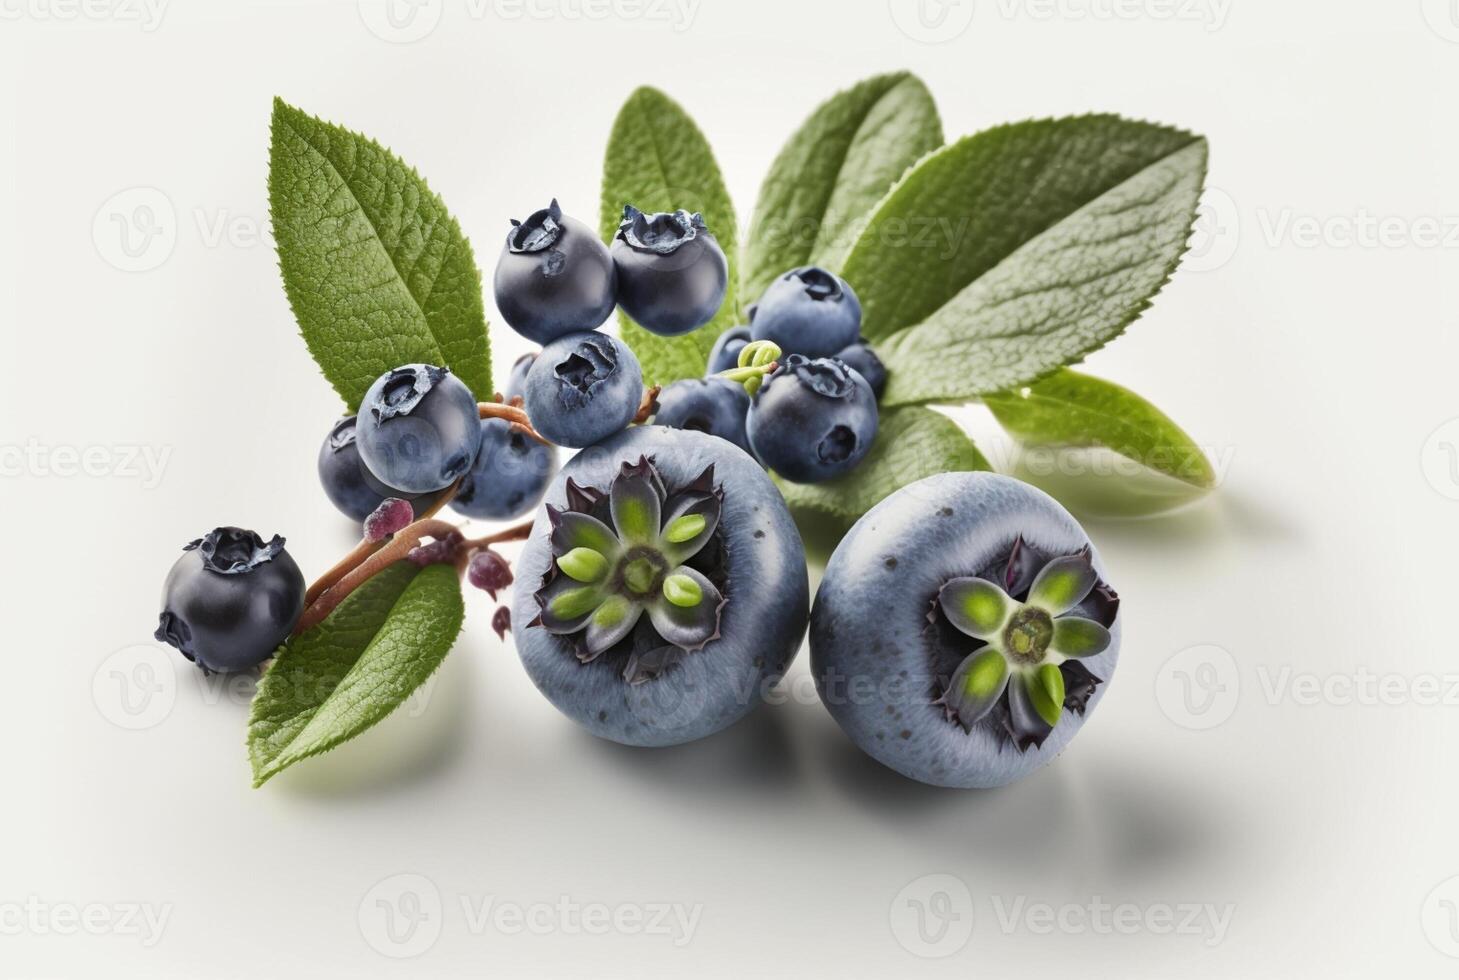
[759, 359]
[513, 413]
[648, 407]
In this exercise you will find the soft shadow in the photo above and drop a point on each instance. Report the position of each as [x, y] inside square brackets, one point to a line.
[755, 757]
[820, 533]
[415, 744]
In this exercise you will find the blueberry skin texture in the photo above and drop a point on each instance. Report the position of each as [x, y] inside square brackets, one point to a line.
[863, 360]
[582, 389]
[509, 477]
[867, 651]
[417, 428]
[712, 405]
[672, 273]
[725, 355]
[347, 481]
[760, 629]
[229, 622]
[808, 311]
[554, 277]
[517, 379]
[811, 421]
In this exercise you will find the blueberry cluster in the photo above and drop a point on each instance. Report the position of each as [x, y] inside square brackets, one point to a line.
[815, 416]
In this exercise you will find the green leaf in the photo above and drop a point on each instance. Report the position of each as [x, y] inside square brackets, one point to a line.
[377, 272]
[832, 171]
[331, 683]
[1070, 409]
[658, 160]
[1016, 251]
[911, 443]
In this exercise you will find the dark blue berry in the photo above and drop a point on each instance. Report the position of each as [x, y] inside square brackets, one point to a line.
[418, 428]
[812, 420]
[712, 405]
[726, 352]
[554, 277]
[808, 311]
[509, 477]
[582, 389]
[863, 360]
[231, 600]
[672, 274]
[347, 481]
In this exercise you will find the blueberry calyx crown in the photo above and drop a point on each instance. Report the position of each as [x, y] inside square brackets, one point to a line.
[1036, 616]
[404, 388]
[234, 551]
[539, 232]
[820, 285]
[342, 436]
[591, 362]
[826, 376]
[636, 570]
[661, 233]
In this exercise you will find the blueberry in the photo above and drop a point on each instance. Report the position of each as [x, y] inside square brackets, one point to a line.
[417, 428]
[808, 311]
[230, 600]
[554, 277]
[863, 360]
[663, 590]
[812, 420]
[672, 274]
[964, 629]
[712, 405]
[726, 352]
[347, 481]
[509, 477]
[583, 388]
[517, 380]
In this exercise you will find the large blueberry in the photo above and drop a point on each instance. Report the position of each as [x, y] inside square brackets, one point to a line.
[672, 274]
[230, 600]
[554, 277]
[509, 477]
[417, 428]
[582, 388]
[663, 589]
[812, 420]
[713, 405]
[964, 629]
[808, 311]
[726, 352]
[347, 481]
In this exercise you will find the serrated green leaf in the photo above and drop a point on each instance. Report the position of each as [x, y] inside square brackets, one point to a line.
[658, 160]
[832, 171]
[331, 683]
[1071, 409]
[911, 443]
[377, 271]
[1014, 252]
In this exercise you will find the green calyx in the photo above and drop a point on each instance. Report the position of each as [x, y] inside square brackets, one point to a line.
[583, 565]
[639, 575]
[1027, 636]
[683, 591]
[759, 358]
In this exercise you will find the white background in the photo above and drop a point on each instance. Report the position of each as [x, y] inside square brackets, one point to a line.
[1270, 750]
